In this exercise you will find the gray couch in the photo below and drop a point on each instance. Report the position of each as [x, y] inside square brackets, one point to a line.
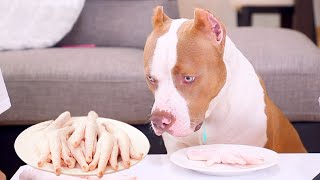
[109, 79]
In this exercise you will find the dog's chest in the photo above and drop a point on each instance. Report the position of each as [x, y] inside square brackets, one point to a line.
[237, 129]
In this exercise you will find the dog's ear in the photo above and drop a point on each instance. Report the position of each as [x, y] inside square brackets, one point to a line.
[207, 23]
[159, 17]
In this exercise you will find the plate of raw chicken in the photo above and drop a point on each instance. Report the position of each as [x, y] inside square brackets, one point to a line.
[224, 159]
[82, 146]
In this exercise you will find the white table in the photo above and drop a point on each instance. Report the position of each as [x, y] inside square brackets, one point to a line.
[158, 167]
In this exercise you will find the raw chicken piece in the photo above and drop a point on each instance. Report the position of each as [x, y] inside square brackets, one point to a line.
[35, 174]
[91, 135]
[222, 156]
[123, 144]
[87, 130]
[55, 143]
[78, 155]
[72, 163]
[104, 148]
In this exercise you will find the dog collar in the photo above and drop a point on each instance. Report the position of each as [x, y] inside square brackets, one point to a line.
[204, 133]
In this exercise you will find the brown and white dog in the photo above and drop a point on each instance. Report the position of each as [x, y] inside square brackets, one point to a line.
[197, 75]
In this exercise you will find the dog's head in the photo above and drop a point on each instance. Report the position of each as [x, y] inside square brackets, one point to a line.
[184, 69]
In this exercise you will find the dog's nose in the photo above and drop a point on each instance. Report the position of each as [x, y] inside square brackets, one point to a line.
[161, 121]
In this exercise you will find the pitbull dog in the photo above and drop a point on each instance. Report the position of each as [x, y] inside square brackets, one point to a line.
[198, 76]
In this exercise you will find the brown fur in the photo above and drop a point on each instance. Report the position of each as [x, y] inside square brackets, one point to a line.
[318, 36]
[204, 62]
[161, 24]
[282, 137]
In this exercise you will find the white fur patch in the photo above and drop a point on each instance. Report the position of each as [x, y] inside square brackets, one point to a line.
[237, 114]
[167, 97]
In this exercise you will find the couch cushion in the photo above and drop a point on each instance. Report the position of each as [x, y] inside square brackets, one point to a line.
[37, 23]
[289, 63]
[123, 23]
[43, 83]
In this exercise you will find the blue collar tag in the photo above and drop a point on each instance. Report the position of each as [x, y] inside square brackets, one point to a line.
[204, 134]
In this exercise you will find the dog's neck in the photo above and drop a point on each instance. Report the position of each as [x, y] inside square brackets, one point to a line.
[233, 60]
[242, 93]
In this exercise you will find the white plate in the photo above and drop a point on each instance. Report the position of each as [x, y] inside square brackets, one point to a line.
[25, 146]
[180, 158]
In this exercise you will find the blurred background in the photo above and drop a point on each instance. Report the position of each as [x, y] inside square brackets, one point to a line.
[305, 14]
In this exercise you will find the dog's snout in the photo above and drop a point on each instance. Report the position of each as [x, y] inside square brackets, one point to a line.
[161, 120]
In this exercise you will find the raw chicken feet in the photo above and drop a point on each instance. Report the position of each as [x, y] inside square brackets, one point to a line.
[221, 156]
[88, 143]
[104, 149]
[55, 143]
[124, 145]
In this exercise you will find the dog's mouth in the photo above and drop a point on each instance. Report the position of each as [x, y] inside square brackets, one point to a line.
[159, 131]
[198, 127]
[162, 125]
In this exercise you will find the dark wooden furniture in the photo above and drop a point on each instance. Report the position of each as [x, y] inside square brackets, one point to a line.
[245, 13]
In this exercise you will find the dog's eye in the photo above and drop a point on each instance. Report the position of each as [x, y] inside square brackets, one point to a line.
[151, 79]
[188, 79]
